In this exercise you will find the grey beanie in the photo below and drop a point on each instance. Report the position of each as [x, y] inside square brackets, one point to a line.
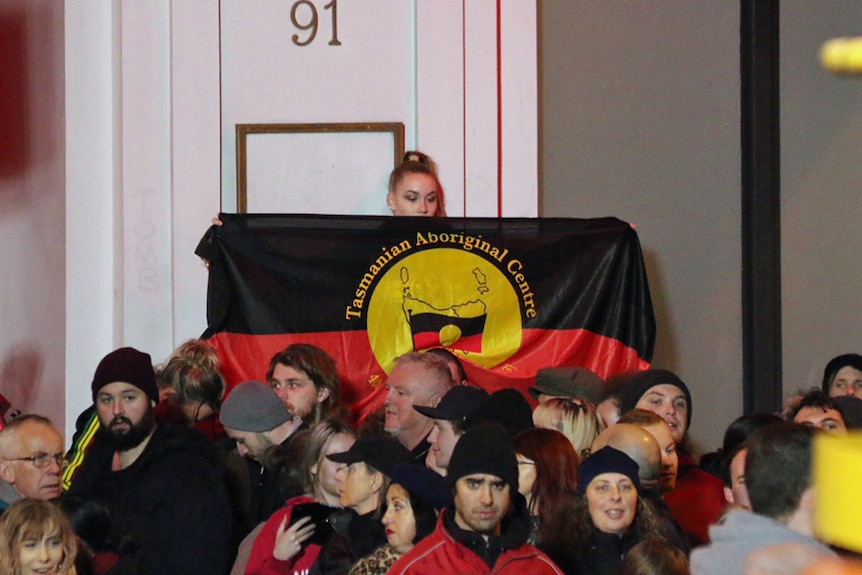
[253, 406]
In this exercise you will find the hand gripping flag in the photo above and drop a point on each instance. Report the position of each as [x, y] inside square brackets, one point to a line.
[508, 296]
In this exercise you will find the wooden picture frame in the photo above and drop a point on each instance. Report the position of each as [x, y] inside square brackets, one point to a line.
[338, 168]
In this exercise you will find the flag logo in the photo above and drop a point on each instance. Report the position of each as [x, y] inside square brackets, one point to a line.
[444, 297]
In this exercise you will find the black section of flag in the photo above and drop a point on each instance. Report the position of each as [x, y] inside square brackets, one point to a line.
[272, 274]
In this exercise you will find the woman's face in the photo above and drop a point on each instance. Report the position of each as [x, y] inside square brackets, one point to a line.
[40, 556]
[526, 475]
[613, 502]
[414, 195]
[326, 472]
[399, 520]
[359, 488]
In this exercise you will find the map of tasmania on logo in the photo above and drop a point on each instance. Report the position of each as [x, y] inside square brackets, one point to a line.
[445, 297]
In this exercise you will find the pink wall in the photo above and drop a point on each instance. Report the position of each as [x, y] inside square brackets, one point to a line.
[32, 207]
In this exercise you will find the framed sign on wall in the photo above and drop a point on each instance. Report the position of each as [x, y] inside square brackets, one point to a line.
[337, 168]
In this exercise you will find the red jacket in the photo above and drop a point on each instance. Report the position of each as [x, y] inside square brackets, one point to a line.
[440, 553]
[697, 500]
[261, 561]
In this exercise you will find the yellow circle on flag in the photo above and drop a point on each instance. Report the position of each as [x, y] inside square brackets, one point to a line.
[444, 297]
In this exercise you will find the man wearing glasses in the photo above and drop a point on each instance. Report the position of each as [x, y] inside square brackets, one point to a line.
[31, 460]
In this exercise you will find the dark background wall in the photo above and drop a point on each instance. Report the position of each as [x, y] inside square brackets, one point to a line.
[639, 108]
[640, 118]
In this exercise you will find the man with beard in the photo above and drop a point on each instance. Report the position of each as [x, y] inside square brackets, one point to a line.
[161, 483]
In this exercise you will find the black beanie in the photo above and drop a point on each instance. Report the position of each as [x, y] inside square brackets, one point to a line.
[129, 366]
[484, 448]
[635, 386]
[607, 460]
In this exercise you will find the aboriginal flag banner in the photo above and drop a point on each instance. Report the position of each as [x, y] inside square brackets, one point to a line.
[508, 296]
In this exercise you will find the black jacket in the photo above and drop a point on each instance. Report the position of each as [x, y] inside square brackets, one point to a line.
[171, 501]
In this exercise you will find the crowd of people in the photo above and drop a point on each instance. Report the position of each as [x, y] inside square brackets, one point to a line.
[169, 474]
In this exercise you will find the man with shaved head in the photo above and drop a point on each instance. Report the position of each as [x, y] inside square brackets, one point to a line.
[647, 441]
[637, 443]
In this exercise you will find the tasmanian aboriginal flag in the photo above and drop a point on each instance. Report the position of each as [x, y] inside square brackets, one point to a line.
[508, 296]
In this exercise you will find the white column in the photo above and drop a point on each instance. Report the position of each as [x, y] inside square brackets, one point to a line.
[92, 171]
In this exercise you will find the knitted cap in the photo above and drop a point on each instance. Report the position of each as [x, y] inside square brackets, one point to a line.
[484, 448]
[577, 382]
[634, 387]
[253, 406]
[425, 484]
[607, 460]
[380, 452]
[127, 365]
[456, 404]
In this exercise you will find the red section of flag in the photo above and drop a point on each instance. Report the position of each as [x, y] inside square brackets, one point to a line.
[247, 357]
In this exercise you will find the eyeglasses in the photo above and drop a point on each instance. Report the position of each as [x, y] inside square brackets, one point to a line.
[41, 461]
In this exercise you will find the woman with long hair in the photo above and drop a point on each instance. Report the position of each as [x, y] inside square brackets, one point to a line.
[548, 480]
[285, 543]
[609, 515]
[35, 537]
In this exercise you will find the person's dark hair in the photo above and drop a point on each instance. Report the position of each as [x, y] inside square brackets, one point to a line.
[613, 385]
[320, 367]
[835, 365]
[286, 462]
[815, 398]
[654, 556]
[735, 435]
[426, 517]
[418, 163]
[556, 467]
[778, 468]
[91, 522]
[450, 359]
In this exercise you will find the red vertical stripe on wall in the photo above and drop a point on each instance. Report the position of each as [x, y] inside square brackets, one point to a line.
[499, 117]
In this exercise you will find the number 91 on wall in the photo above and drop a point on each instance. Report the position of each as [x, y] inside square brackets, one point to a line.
[305, 17]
